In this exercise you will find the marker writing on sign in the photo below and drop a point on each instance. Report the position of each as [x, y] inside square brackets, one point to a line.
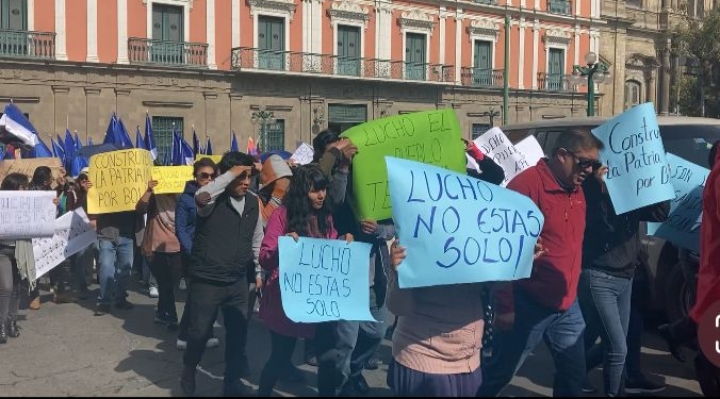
[327, 281]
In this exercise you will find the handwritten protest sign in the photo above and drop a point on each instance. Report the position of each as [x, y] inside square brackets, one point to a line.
[119, 180]
[171, 179]
[634, 154]
[324, 280]
[532, 150]
[683, 225]
[431, 137]
[27, 214]
[495, 144]
[458, 229]
[27, 167]
[73, 233]
[215, 158]
[303, 155]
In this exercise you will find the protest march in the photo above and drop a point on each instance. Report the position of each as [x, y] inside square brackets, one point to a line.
[465, 254]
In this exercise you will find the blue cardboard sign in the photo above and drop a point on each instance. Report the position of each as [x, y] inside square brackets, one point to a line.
[638, 172]
[683, 225]
[458, 229]
[324, 280]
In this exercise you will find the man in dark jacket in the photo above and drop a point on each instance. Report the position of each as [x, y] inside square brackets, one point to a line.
[610, 255]
[226, 248]
[204, 172]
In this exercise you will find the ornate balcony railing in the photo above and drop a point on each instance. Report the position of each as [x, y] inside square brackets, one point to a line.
[482, 77]
[160, 52]
[561, 7]
[245, 58]
[26, 44]
[554, 82]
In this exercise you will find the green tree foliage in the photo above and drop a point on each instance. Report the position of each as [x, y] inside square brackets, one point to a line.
[697, 39]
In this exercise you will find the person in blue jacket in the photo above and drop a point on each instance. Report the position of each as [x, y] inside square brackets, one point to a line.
[204, 171]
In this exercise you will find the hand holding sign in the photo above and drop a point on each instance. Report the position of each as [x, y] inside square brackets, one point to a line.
[634, 154]
[452, 221]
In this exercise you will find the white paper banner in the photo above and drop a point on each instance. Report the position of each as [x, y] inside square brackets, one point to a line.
[73, 233]
[303, 155]
[532, 150]
[495, 144]
[27, 214]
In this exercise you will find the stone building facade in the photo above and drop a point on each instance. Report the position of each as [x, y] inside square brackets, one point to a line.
[208, 65]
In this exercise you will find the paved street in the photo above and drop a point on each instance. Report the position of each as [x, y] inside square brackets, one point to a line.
[66, 351]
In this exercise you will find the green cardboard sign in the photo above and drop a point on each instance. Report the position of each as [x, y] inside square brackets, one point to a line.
[431, 137]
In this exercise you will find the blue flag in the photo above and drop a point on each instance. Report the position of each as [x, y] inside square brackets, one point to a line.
[149, 140]
[234, 144]
[208, 147]
[176, 159]
[187, 153]
[78, 143]
[58, 151]
[69, 149]
[16, 124]
[41, 150]
[196, 143]
[116, 134]
[139, 141]
[89, 141]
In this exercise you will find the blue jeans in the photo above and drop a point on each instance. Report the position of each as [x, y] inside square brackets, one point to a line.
[116, 261]
[562, 332]
[606, 301]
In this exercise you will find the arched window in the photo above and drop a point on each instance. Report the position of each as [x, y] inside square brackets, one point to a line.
[633, 94]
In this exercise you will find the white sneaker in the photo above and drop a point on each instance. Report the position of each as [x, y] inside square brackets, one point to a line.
[154, 292]
[181, 345]
[212, 343]
[183, 285]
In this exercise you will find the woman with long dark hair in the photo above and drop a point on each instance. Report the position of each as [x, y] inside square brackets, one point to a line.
[305, 212]
[9, 276]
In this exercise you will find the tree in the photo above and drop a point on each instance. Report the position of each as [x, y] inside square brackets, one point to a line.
[696, 40]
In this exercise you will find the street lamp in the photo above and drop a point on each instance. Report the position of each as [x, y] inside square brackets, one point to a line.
[594, 72]
[264, 118]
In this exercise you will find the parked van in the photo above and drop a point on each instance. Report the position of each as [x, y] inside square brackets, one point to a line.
[671, 272]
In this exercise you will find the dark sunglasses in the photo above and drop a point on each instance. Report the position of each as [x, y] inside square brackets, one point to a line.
[585, 163]
[204, 175]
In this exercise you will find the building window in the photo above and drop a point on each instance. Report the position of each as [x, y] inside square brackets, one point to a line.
[13, 15]
[348, 50]
[556, 69]
[275, 136]
[271, 43]
[561, 7]
[478, 129]
[632, 93]
[163, 127]
[168, 35]
[415, 56]
[634, 3]
[342, 117]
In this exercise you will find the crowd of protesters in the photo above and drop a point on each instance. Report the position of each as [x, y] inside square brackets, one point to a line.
[218, 240]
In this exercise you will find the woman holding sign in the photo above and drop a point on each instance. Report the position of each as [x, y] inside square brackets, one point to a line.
[305, 212]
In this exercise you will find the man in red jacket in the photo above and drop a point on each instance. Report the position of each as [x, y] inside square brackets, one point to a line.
[545, 305]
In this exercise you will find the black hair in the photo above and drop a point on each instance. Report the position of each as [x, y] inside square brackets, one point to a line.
[235, 158]
[576, 140]
[713, 153]
[14, 182]
[42, 175]
[299, 209]
[204, 163]
[322, 140]
[82, 177]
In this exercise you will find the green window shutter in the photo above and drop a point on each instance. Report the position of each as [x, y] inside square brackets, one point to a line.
[13, 15]
[341, 113]
[275, 136]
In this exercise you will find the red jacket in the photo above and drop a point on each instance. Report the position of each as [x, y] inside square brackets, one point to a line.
[555, 276]
[708, 286]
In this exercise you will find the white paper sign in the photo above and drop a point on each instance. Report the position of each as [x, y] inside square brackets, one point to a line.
[495, 144]
[73, 233]
[532, 150]
[27, 214]
[303, 155]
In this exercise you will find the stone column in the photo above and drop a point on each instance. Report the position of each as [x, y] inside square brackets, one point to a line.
[61, 101]
[122, 103]
[651, 87]
[92, 113]
[665, 82]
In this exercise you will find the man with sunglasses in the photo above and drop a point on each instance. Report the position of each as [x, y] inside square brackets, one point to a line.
[545, 305]
[226, 247]
[204, 172]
